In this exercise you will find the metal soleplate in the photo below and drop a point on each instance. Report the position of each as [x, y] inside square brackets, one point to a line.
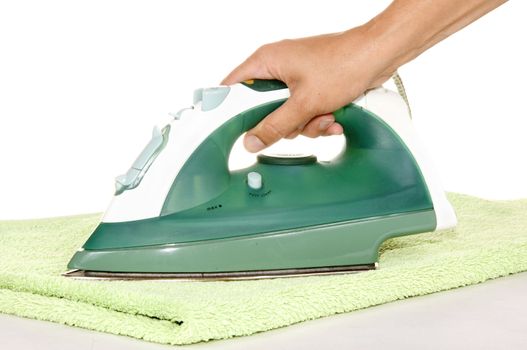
[219, 276]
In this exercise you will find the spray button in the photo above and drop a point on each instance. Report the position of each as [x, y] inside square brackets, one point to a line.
[213, 97]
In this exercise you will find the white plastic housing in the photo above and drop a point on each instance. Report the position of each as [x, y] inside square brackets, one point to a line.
[194, 125]
[390, 106]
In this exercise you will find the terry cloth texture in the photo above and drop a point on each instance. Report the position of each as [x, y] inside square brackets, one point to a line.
[490, 241]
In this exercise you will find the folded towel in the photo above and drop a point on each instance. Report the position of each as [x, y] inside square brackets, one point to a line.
[490, 241]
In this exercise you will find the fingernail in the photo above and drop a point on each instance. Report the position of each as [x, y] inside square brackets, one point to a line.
[324, 124]
[253, 144]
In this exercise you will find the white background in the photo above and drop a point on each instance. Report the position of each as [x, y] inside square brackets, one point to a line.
[82, 83]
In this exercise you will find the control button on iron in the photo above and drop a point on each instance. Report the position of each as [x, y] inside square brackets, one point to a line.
[213, 97]
[254, 180]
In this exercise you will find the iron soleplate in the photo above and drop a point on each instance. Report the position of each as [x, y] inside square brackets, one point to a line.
[219, 276]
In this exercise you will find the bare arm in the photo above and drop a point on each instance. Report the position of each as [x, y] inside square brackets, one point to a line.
[328, 71]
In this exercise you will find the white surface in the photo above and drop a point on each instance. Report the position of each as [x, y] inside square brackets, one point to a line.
[489, 316]
[82, 83]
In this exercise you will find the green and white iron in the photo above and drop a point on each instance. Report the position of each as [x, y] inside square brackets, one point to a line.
[179, 212]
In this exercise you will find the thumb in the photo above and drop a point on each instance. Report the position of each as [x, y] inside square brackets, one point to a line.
[291, 116]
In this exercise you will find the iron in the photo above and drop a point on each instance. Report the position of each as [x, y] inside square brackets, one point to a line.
[181, 213]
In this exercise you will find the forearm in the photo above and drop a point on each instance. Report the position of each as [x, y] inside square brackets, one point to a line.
[407, 28]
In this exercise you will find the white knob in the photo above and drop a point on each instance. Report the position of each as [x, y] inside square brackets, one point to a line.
[254, 180]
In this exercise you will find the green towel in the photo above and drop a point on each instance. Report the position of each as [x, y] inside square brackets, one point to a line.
[490, 241]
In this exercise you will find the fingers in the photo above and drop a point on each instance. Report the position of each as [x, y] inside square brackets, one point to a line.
[334, 129]
[283, 122]
[317, 127]
[323, 125]
[294, 134]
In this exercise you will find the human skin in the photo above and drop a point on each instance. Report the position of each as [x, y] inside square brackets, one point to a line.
[318, 70]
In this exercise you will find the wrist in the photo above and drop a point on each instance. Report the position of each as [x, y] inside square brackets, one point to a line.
[375, 54]
[396, 42]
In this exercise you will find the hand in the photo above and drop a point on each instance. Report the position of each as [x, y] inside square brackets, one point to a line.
[323, 73]
[326, 72]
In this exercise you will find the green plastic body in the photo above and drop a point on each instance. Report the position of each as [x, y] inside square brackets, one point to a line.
[309, 214]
